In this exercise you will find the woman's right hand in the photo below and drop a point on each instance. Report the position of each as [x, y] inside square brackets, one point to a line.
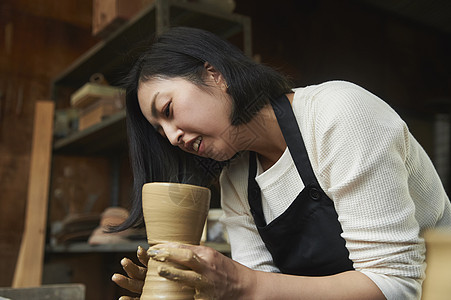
[136, 274]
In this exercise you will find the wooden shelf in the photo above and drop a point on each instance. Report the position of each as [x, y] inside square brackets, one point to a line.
[125, 247]
[108, 136]
[114, 56]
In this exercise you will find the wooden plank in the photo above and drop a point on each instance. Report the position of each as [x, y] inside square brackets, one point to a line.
[29, 265]
[72, 291]
[93, 92]
[437, 286]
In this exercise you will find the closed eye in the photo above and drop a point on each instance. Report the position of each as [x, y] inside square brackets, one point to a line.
[167, 111]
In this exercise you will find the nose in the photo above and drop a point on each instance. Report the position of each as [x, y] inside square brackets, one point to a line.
[173, 134]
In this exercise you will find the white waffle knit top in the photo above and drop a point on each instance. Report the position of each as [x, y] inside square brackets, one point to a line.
[384, 187]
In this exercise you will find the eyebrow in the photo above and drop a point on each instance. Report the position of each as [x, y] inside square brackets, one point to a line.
[153, 107]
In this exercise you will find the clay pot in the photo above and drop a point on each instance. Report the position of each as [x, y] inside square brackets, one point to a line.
[173, 212]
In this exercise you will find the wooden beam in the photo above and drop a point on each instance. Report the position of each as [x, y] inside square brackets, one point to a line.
[30, 261]
[72, 291]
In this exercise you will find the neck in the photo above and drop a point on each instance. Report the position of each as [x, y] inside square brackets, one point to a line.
[268, 141]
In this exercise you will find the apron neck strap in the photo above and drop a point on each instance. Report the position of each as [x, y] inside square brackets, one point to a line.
[293, 137]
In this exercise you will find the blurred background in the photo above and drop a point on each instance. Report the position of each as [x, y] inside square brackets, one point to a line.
[399, 50]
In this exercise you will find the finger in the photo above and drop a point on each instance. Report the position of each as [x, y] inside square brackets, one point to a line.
[167, 245]
[128, 298]
[143, 257]
[183, 256]
[132, 270]
[186, 277]
[133, 285]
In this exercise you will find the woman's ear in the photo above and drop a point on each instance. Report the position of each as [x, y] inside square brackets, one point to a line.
[215, 76]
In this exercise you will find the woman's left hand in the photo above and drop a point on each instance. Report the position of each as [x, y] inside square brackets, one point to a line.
[136, 274]
[211, 274]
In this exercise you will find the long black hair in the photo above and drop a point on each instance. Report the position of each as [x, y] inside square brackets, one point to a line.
[182, 52]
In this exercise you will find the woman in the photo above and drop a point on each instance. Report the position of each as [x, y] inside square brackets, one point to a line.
[325, 192]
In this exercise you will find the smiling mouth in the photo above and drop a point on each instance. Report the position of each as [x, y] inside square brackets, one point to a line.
[196, 144]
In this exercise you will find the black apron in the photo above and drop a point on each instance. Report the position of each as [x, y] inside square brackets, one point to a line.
[305, 239]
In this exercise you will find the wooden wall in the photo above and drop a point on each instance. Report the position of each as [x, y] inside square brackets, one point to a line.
[312, 41]
[38, 39]
[405, 63]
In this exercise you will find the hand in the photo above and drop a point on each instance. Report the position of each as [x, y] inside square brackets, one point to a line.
[136, 274]
[211, 274]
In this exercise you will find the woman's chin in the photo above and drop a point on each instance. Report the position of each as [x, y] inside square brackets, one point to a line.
[216, 156]
[224, 156]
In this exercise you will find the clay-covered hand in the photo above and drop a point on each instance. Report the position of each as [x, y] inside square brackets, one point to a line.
[211, 274]
[136, 274]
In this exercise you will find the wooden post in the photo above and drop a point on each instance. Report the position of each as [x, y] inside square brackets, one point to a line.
[30, 261]
[437, 285]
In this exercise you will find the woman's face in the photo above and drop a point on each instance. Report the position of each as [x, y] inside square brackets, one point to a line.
[196, 120]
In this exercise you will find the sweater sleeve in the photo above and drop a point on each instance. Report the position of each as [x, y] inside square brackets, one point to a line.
[360, 149]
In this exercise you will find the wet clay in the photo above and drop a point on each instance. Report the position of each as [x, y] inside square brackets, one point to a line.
[173, 212]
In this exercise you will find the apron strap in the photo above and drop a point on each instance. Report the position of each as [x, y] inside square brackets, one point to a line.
[254, 192]
[290, 130]
[293, 137]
